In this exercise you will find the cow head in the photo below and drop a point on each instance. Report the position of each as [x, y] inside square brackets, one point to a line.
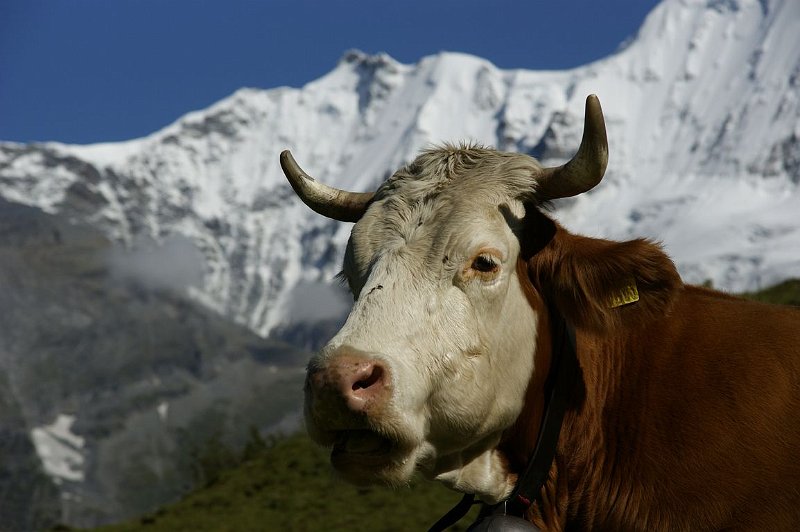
[434, 359]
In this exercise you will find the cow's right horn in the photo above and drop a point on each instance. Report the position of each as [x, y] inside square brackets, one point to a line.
[327, 201]
[586, 168]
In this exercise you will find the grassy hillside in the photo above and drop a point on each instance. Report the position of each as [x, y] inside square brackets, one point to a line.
[785, 293]
[287, 484]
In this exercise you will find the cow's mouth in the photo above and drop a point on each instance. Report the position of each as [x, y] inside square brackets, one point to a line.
[364, 456]
[364, 442]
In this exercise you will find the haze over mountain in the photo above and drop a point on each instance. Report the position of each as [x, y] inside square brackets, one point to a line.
[703, 114]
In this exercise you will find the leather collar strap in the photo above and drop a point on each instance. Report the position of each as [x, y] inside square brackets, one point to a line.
[560, 381]
[559, 386]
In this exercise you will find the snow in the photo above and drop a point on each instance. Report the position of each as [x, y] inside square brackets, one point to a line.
[60, 449]
[102, 154]
[702, 109]
[163, 410]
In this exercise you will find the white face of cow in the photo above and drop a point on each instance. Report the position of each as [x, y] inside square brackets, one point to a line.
[435, 357]
[434, 360]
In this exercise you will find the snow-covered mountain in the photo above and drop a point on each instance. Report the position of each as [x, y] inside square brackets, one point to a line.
[702, 107]
[703, 114]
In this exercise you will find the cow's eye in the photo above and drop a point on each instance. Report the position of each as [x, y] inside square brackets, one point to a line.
[485, 264]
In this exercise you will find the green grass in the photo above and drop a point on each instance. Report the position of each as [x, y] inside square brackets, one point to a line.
[288, 484]
[785, 293]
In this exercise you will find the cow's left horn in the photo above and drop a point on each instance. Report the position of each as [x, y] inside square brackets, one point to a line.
[586, 168]
[327, 201]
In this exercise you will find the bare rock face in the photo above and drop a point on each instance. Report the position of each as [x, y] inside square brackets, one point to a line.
[30, 499]
[110, 380]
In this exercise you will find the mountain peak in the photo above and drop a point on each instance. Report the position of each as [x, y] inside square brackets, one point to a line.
[356, 57]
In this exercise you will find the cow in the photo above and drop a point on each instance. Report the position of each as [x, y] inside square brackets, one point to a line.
[685, 410]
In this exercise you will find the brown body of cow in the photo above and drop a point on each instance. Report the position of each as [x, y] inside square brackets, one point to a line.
[686, 415]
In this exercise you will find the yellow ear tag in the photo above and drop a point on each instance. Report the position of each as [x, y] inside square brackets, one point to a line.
[627, 295]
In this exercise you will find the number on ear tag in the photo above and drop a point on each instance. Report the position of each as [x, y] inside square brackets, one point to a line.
[627, 295]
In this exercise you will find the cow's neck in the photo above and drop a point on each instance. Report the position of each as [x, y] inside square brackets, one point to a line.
[595, 389]
[520, 439]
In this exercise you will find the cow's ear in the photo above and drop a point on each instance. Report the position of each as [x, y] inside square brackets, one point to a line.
[597, 284]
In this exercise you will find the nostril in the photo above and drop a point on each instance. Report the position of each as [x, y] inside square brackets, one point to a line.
[354, 384]
[375, 376]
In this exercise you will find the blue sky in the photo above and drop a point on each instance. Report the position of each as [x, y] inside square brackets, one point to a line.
[83, 71]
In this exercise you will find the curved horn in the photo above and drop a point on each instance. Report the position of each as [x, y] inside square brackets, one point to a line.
[586, 168]
[327, 201]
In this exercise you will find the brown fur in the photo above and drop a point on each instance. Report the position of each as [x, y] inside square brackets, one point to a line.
[686, 415]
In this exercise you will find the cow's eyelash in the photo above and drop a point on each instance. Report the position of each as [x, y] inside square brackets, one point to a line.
[341, 278]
